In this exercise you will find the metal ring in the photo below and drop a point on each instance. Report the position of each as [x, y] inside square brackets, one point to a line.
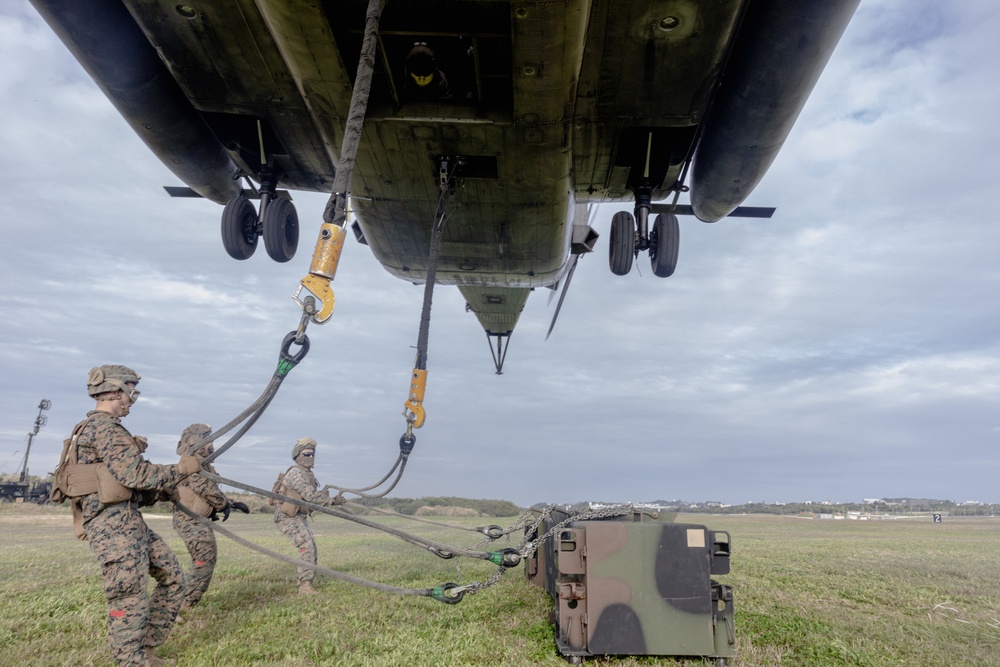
[286, 344]
[511, 557]
[441, 594]
[493, 532]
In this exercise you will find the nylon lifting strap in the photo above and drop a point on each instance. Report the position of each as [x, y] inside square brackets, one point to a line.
[328, 246]
[333, 230]
[442, 593]
[286, 362]
[430, 545]
[528, 523]
[413, 410]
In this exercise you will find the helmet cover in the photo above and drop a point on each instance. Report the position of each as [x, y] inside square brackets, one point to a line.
[192, 435]
[112, 377]
[301, 445]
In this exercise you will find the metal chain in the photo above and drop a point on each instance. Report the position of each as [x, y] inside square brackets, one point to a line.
[531, 527]
[475, 587]
[528, 547]
[523, 520]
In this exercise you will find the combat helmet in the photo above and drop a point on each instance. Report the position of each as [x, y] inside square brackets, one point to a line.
[301, 445]
[112, 377]
[192, 435]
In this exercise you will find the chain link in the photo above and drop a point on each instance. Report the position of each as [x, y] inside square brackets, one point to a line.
[528, 547]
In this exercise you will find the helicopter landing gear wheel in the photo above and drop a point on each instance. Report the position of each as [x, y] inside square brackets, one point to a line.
[664, 244]
[239, 228]
[622, 245]
[281, 229]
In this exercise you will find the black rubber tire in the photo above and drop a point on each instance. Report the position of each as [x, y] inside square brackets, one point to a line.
[622, 243]
[239, 228]
[281, 229]
[664, 243]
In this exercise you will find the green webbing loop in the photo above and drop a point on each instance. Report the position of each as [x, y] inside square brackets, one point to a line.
[440, 593]
[288, 361]
[505, 557]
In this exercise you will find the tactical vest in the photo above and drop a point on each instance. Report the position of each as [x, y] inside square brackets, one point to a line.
[194, 502]
[73, 480]
[282, 489]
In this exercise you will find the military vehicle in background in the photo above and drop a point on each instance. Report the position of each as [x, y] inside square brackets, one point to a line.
[635, 584]
[23, 489]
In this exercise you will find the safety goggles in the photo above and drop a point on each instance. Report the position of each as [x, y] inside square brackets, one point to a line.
[308, 455]
[128, 389]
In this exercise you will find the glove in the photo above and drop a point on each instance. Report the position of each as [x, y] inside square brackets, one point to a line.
[243, 507]
[149, 497]
[338, 500]
[141, 442]
[225, 512]
[214, 516]
[188, 465]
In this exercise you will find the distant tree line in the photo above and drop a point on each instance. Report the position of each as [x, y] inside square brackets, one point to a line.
[887, 506]
[411, 506]
[431, 506]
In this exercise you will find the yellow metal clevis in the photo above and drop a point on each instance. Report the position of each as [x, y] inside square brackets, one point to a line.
[414, 409]
[329, 245]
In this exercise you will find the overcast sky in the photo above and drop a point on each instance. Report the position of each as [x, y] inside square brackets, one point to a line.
[848, 348]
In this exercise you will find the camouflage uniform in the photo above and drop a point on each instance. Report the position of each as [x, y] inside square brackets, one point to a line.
[302, 481]
[199, 538]
[127, 550]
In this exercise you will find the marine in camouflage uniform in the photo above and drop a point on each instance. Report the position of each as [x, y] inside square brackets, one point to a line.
[126, 548]
[199, 538]
[300, 480]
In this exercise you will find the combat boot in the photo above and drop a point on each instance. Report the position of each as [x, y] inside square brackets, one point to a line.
[180, 620]
[306, 588]
[153, 661]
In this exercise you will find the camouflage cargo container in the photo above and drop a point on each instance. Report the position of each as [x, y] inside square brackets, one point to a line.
[636, 585]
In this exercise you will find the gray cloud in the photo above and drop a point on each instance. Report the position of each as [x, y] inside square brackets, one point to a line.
[846, 348]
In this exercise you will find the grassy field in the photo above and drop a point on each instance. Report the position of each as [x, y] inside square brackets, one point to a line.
[808, 592]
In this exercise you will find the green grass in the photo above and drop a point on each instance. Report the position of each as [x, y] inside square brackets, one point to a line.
[808, 593]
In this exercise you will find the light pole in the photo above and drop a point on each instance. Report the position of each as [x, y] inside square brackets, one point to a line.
[40, 421]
